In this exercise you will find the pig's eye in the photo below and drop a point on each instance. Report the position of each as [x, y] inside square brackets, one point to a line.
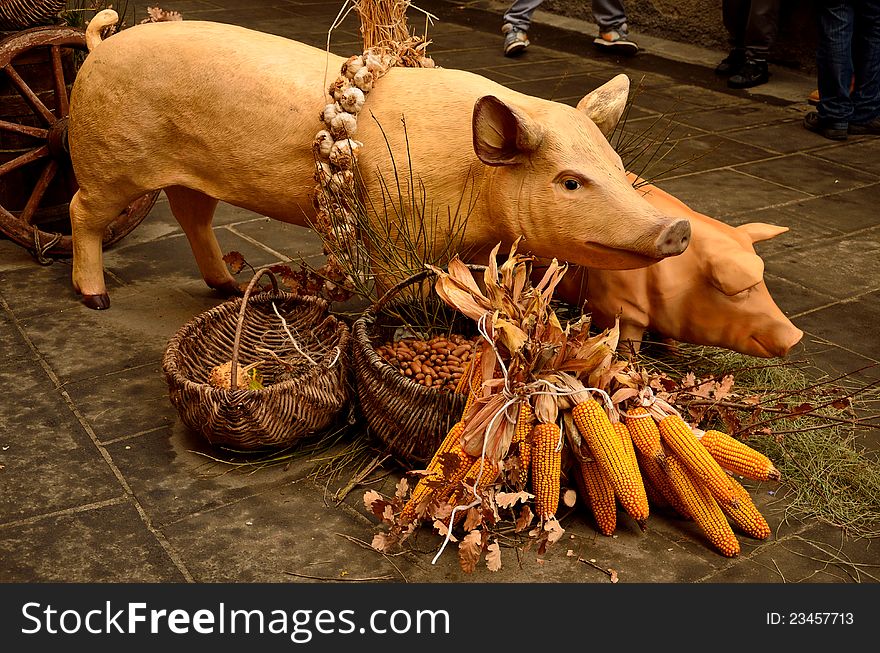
[571, 184]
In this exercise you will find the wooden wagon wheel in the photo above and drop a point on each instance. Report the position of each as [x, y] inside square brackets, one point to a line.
[41, 134]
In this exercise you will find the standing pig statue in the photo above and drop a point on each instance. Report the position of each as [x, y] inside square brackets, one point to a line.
[212, 112]
[713, 294]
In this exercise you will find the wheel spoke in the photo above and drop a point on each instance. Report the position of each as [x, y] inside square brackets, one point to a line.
[24, 159]
[36, 197]
[30, 97]
[62, 106]
[27, 130]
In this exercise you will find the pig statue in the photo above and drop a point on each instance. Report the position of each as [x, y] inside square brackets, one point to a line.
[712, 294]
[210, 112]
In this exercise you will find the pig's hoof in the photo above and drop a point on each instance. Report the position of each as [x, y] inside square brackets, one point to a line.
[228, 289]
[97, 302]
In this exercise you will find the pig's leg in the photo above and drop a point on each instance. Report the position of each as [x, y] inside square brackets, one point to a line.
[89, 216]
[194, 211]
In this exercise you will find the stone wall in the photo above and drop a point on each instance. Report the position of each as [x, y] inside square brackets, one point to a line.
[698, 22]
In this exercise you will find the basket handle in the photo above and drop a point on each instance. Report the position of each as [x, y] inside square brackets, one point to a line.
[238, 327]
[415, 278]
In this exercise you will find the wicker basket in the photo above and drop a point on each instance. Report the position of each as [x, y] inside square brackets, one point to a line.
[409, 419]
[283, 411]
[19, 14]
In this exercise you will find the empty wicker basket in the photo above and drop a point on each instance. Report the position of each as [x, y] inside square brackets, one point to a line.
[293, 403]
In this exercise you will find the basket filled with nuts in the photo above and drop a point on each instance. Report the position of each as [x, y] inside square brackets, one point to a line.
[409, 354]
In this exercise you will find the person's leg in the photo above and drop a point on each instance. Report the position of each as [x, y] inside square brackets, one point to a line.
[834, 70]
[735, 14]
[609, 15]
[517, 19]
[760, 33]
[613, 30]
[866, 63]
[834, 62]
[519, 14]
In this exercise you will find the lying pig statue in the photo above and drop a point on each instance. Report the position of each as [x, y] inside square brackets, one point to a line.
[713, 294]
[212, 112]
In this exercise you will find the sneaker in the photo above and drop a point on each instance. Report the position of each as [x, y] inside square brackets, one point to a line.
[871, 128]
[732, 63]
[515, 40]
[752, 73]
[814, 123]
[616, 40]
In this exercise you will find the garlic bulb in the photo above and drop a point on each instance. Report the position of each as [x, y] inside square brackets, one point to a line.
[363, 80]
[323, 172]
[343, 125]
[329, 112]
[352, 99]
[337, 88]
[344, 153]
[352, 66]
[341, 181]
[322, 144]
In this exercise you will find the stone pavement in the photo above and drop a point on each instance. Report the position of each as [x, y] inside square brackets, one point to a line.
[100, 482]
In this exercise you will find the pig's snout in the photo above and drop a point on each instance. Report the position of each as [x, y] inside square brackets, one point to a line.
[674, 239]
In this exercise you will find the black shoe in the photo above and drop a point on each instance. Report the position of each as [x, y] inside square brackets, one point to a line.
[731, 64]
[752, 73]
[872, 128]
[814, 124]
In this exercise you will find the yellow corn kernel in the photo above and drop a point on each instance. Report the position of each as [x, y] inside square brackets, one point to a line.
[641, 494]
[448, 466]
[598, 493]
[652, 471]
[738, 457]
[470, 382]
[645, 434]
[483, 472]
[546, 464]
[608, 449]
[747, 517]
[682, 442]
[701, 505]
[524, 423]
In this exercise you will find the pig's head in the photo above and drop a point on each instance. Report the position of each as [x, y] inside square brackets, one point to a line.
[737, 311]
[557, 181]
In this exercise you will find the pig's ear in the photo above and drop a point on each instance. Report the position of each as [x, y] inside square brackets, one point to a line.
[503, 134]
[605, 105]
[759, 231]
[737, 271]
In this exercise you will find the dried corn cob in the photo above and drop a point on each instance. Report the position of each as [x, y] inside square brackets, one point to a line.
[641, 494]
[546, 466]
[521, 438]
[645, 434]
[437, 472]
[747, 517]
[682, 442]
[608, 449]
[483, 473]
[598, 493]
[470, 382]
[702, 507]
[739, 457]
[652, 472]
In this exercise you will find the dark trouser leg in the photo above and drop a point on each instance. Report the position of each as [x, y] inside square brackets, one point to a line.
[761, 28]
[866, 62]
[735, 14]
[834, 61]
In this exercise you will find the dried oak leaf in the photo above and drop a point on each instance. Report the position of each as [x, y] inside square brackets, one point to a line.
[382, 542]
[509, 499]
[469, 550]
[473, 519]
[442, 529]
[493, 556]
[235, 261]
[401, 488]
[371, 497]
[524, 520]
[554, 530]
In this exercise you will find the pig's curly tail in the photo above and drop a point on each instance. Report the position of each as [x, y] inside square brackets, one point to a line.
[101, 21]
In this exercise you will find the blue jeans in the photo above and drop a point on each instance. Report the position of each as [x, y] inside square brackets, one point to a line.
[849, 50]
[608, 14]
